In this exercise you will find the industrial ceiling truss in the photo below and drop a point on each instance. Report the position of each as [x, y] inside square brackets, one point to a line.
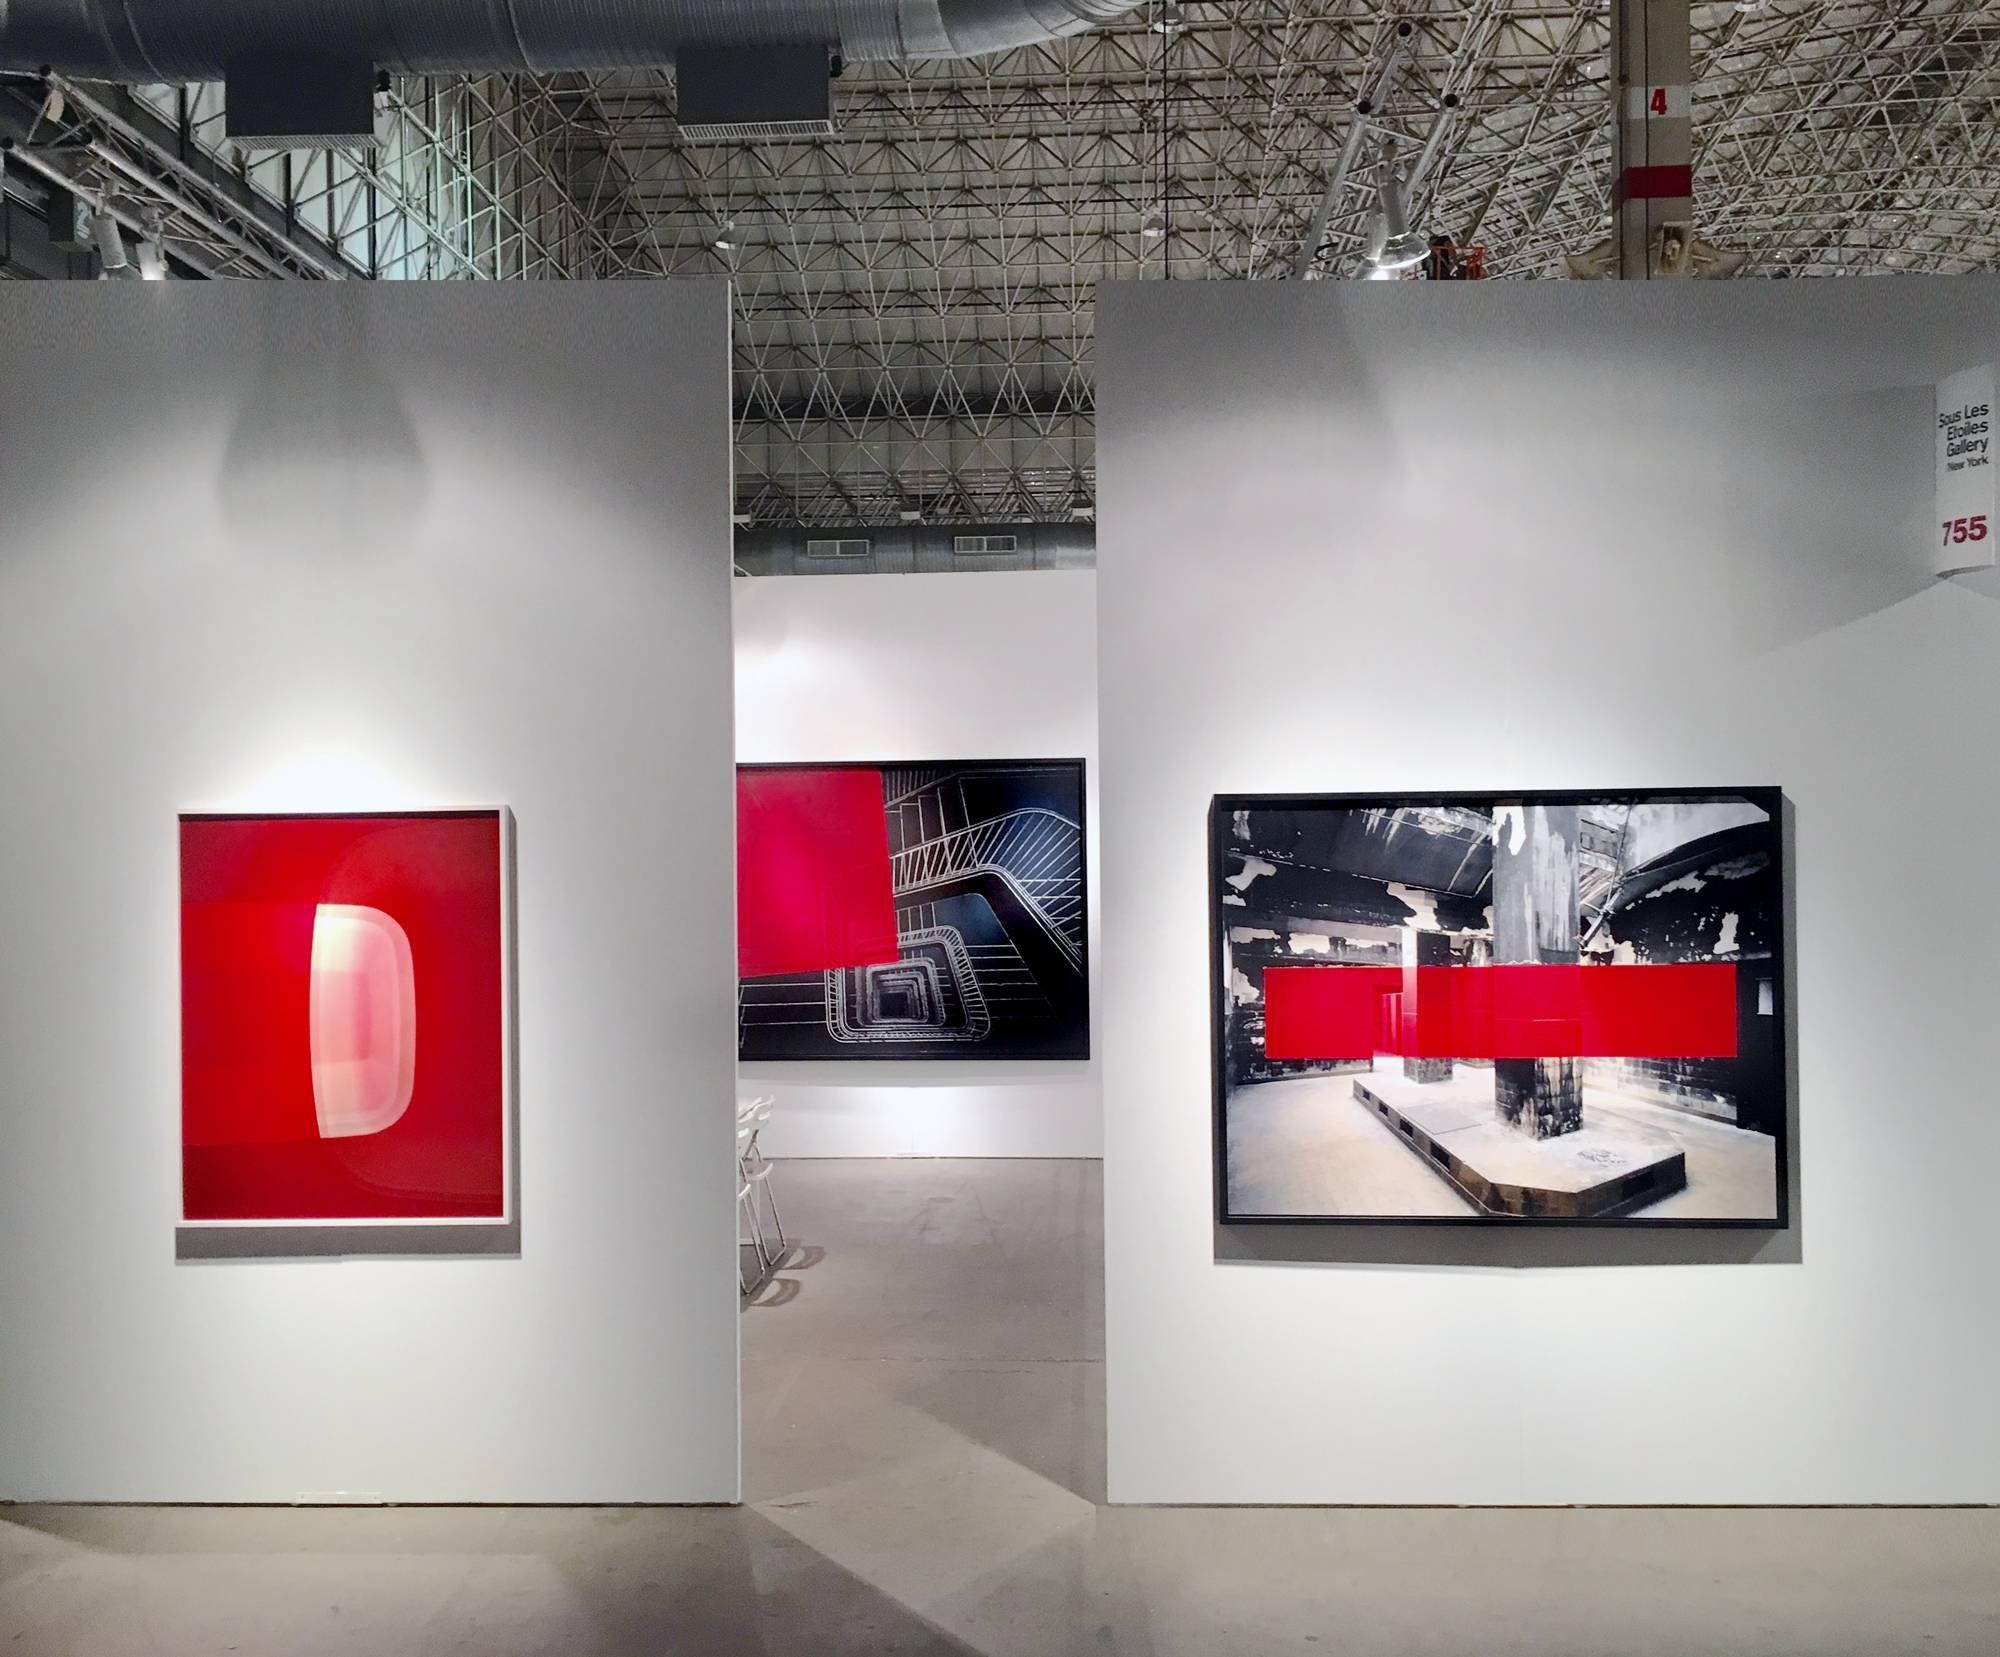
[914, 293]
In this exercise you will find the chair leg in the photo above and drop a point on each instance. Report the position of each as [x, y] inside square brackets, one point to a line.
[771, 1197]
[746, 1209]
[758, 1166]
[744, 1279]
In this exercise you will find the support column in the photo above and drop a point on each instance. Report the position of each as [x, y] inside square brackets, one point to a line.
[1421, 949]
[1535, 921]
[1652, 145]
[1478, 953]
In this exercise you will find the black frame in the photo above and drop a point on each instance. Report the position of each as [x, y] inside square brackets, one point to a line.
[1222, 806]
[862, 1056]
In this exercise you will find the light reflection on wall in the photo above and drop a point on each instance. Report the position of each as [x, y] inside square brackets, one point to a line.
[324, 777]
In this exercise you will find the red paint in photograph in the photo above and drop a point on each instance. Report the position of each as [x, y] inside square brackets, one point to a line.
[814, 890]
[1677, 1011]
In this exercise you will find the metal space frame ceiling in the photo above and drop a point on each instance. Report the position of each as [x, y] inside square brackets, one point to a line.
[914, 295]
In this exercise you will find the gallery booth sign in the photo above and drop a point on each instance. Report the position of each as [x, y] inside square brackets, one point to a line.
[1963, 535]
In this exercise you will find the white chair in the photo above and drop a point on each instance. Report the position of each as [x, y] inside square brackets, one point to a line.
[746, 1214]
[757, 1169]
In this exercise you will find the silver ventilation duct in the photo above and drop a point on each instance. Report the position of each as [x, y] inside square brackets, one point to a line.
[200, 40]
[917, 549]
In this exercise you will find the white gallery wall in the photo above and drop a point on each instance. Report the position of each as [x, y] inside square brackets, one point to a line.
[266, 546]
[1363, 536]
[909, 668]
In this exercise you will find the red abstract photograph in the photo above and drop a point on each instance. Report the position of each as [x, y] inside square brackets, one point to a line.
[344, 1019]
[929, 911]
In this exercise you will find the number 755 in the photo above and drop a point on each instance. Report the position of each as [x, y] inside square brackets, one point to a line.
[1957, 530]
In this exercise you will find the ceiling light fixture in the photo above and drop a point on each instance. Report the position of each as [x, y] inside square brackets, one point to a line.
[1392, 245]
[114, 263]
[152, 248]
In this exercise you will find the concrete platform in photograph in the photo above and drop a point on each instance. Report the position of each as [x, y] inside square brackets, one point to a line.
[924, 1420]
[1307, 1145]
[1608, 1167]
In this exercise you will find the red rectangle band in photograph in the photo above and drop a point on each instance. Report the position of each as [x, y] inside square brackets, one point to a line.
[1508, 1011]
[344, 1033]
[1327, 1012]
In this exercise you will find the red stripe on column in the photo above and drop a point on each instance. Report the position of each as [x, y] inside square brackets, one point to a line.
[1683, 1011]
[1652, 184]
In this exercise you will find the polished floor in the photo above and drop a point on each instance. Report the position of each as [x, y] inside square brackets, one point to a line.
[923, 1407]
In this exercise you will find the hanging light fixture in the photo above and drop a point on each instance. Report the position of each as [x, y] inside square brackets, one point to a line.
[114, 260]
[152, 249]
[1392, 245]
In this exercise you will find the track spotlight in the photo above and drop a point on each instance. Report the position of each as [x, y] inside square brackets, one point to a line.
[152, 249]
[114, 260]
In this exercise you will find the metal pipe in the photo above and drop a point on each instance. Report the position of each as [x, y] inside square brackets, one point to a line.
[1357, 130]
[13, 153]
[1336, 187]
[170, 165]
[1446, 109]
[151, 184]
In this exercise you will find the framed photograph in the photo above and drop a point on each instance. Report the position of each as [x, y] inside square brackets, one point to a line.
[346, 1019]
[1500, 1009]
[912, 911]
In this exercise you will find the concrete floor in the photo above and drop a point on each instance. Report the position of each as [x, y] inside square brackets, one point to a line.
[1307, 1146]
[923, 1408]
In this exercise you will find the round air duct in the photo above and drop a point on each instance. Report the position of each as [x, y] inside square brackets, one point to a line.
[200, 40]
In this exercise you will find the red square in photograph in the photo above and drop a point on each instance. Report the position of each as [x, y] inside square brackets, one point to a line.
[814, 889]
[344, 1021]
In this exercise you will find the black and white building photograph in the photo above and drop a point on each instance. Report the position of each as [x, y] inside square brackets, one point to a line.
[1557, 1008]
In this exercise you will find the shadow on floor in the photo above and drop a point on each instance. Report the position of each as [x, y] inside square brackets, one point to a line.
[618, 1582]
